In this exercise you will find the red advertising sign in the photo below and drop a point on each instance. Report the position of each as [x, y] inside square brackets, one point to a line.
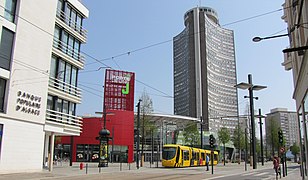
[119, 90]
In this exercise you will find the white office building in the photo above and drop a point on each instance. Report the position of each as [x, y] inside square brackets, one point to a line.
[39, 62]
[205, 71]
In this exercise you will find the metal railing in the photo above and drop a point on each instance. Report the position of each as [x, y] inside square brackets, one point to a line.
[63, 118]
[71, 23]
[68, 50]
[65, 87]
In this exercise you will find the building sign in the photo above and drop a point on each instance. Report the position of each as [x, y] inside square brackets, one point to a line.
[119, 90]
[28, 103]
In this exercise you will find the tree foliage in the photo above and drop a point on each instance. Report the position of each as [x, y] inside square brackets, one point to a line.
[272, 134]
[191, 134]
[295, 150]
[146, 108]
[238, 138]
[224, 135]
[147, 126]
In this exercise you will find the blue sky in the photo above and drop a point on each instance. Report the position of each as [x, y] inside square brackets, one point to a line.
[146, 28]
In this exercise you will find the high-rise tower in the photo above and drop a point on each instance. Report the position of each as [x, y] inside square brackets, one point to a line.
[205, 70]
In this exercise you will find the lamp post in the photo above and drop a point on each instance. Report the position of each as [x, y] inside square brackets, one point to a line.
[201, 129]
[138, 137]
[258, 39]
[261, 138]
[287, 50]
[251, 88]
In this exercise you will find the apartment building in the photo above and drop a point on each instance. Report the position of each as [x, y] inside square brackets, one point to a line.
[287, 121]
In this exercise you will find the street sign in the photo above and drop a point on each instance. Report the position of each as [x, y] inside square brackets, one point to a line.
[282, 149]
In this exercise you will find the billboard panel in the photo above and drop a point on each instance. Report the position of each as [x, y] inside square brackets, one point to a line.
[119, 90]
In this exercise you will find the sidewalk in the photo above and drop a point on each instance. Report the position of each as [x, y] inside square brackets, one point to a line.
[65, 171]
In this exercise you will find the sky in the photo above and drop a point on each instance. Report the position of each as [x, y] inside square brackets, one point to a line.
[136, 36]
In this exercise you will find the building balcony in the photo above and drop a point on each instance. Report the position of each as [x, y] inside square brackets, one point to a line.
[62, 123]
[68, 54]
[287, 61]
[65, 21]
[64, 90]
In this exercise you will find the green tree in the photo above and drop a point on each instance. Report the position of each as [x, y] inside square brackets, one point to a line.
[147, 126]
[238, 140]
[258, 147]
[295, 150]
[191, 134]
[272, 134]
[224, 137]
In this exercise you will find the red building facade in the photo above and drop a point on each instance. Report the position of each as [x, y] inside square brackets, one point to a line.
[86, 146]
[119, 109]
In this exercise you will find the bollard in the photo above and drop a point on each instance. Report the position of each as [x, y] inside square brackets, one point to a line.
[128, 166]
[81, 166]
[120, 166]
[87, 168]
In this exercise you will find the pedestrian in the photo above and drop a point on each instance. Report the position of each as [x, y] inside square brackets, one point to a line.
[276, 166]
[207, 161]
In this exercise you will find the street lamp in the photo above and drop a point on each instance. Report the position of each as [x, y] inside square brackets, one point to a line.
[287, 50]
[261, 138]
[251, 88]
[258, 39]
[138, 137]
[201, 132]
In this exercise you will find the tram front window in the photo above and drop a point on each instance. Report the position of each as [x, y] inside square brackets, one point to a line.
[168, 152]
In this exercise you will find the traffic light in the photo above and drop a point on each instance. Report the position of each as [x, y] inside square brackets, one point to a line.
[280, 136]
[212, 141]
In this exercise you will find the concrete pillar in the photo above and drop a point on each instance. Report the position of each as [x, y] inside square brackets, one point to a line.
[45, 160]
[51, 148]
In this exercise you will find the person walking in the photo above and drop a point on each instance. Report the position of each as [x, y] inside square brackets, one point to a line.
[207, 161]
[276, 166]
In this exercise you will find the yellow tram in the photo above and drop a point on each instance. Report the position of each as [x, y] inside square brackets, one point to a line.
[175, 155]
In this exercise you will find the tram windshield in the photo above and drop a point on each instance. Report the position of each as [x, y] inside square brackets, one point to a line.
[168, 152]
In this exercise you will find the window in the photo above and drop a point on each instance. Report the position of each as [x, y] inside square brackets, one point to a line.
[64, 42]
[68, 14]
[6, 45]
[76, 49]
[74, 77]
[61, 105]
[60, 5]
[50, 102]
[68, 10]
[78, 23]
[73, 19]
[53, 67]
[2, 93]
[57, 34]
[69, 44]
[9, 11]
[63, 71]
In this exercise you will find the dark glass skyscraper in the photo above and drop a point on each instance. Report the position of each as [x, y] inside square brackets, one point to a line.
[205, 70]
